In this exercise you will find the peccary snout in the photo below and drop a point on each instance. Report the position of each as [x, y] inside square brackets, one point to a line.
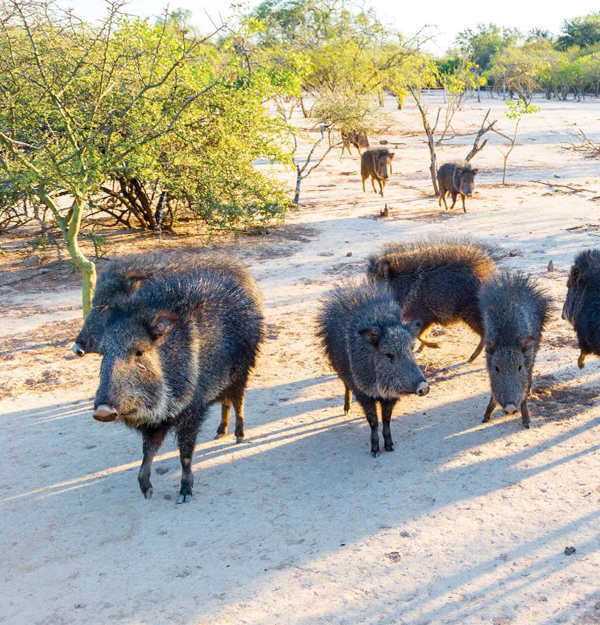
[78, 350]
[509, 409]
[105, 413]
[422, 388]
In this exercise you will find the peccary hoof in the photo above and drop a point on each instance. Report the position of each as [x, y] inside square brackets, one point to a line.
[375, 454]
[184, 498]
[526, 426]
[148, 493]
[485, 420]
[239, 439]
[220, 435]
[389, 447]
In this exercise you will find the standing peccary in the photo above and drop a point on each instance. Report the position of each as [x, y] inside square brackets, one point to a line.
[371, 351]
[169, 352]
[378, 165]
[356, 138]
[436, 281]
[514, 310]
[122, 279]
[582, 305]
[455, 178]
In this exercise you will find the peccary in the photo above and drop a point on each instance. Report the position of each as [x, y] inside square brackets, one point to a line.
[356, 138]
[378, 165]
[455, 178]
[436, 281]
[371, 351]
[170, 351]
[514, 310]
[124, 276]
[582, 304]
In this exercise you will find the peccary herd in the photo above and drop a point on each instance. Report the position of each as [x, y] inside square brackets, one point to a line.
[179, 332]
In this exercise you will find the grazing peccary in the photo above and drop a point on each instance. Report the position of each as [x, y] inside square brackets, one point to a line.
[514, 310]
[582, 305]
[356, 138]
[123, 277]
[371, 350]
[378, 165]
[436, 281]
[456, 178]
[170, 351]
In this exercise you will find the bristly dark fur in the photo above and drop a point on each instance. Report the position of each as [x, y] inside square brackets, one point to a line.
[515, 310]
[371, 350]
[436, 280]
[123, 277]
[506, 297]
[582, 304]
[172, 349]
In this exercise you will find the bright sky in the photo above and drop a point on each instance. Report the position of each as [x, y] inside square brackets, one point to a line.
[448, 16]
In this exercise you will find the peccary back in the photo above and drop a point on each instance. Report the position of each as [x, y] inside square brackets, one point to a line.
[171, 350]
[582, 304]
[371, 350]
[514, 310]
[436, 281]
[124, 276]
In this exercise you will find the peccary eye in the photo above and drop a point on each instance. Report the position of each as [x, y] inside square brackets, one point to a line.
[520, 367]
[390, 357]
[497, 369]
[139, 353]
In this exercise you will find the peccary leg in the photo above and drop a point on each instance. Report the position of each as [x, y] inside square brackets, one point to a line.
[369, 405]
[225, 414]
[454, 196]
[373, 183]
[477, 351]
[463, 203]
[581, 359]
[387, 407]
[153, 438]
[488, 411]
[424, 340]
[187, 430]
[525, 414]
[363, 181]
[238, 404]
[347, 400]
[381, 186]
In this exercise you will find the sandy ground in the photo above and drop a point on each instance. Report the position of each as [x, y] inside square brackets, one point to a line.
[463, 523]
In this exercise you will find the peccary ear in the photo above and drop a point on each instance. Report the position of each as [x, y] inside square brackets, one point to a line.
[475, 171]
[490, 345]
[575, 275]
[526, 343]
[415, 327]
[133, 280]
[162, 324]
[371, 335]
[384, 269]
[391, 155]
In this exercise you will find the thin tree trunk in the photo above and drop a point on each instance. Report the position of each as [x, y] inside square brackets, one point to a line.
[298, 181]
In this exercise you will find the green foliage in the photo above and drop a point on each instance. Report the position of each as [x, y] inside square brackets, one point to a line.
[580, 31]
[518, 108]
[484, 42]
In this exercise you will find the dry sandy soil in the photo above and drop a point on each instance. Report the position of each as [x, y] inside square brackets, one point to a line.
[463, 523]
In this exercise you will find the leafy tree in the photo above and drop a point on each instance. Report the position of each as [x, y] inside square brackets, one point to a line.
[516, 110]
[481, 44]
[83, 105]
[580, 31]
